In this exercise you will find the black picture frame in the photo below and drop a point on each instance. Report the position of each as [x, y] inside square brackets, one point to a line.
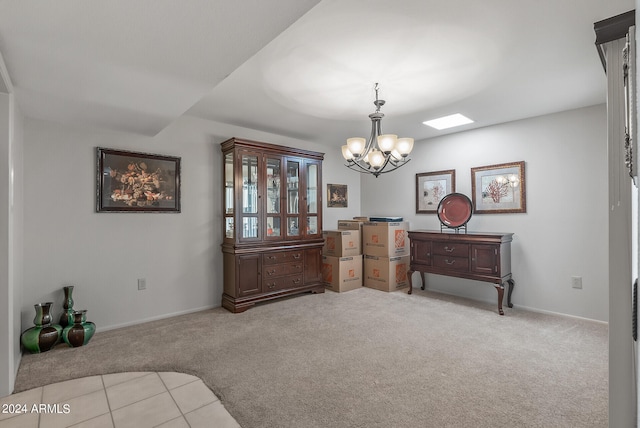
[128, 181]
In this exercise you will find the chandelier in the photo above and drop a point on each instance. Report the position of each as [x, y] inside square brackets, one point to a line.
[381, 153]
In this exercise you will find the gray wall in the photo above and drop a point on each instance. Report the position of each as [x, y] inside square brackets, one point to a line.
[179, 254]
[563, 233]
[103, 254]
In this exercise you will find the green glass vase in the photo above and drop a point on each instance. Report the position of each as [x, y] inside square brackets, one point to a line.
[44, 335]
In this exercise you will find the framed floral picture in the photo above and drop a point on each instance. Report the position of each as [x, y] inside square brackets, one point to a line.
[499, 189]
[431, 187]
[137, 182]
[337, 196]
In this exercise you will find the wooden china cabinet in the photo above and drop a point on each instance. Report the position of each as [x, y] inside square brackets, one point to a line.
[272, 210]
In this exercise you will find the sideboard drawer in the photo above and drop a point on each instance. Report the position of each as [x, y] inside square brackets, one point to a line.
[455, 249]
[451, 262]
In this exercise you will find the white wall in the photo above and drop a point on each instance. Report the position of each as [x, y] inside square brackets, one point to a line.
[103, 254]
[563, 233]
[10, 240]
[5, 301]
[16, 234]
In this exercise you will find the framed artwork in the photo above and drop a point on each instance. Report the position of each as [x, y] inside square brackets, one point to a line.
[137, 182]
[499, 189]
[337, 196]
[431, 187]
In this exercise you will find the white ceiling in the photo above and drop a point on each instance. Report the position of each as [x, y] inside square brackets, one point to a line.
[287, 67]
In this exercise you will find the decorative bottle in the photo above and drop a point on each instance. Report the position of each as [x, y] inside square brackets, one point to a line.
[67, 315]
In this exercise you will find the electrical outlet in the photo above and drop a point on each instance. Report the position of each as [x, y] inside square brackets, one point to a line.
[576, 281]
[142, 284]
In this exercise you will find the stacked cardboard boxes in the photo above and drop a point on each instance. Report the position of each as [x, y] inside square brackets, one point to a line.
[386, 255]
[342, 260]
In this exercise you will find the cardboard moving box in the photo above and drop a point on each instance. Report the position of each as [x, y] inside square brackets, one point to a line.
[341, 243]
[385, 239]
[386, 273]
[342, 274]
[350, 225]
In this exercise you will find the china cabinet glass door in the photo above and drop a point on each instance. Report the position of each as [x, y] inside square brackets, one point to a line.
[274, 198]
[229, 196]
[250, 181]
[293, 200]
[312, 199]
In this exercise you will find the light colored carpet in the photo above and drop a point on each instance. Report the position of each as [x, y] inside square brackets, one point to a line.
[365, 358]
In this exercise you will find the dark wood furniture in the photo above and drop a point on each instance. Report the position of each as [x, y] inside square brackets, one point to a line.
[480, 256]
[272, 210]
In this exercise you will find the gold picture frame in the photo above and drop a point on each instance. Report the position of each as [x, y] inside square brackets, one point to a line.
[499, 189]
[431, 187]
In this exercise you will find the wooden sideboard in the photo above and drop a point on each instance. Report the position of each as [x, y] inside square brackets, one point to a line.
[480, 256]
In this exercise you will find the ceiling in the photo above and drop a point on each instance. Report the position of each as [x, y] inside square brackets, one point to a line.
[302, 68]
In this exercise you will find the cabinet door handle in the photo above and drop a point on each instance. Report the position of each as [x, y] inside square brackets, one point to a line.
[271, 286]
[296, 281]
[271, 257]
[449, 262]
[296, 256]
[449, 250]
[271, 272]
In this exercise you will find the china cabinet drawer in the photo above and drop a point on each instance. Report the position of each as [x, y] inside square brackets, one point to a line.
[281, 283]
[281, 257]
[272, 271]
[451, 262]
[451, 249]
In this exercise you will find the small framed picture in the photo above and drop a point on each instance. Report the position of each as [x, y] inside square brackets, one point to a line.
[431, 187]
[337, 196]
[137, 182]
[499, 189]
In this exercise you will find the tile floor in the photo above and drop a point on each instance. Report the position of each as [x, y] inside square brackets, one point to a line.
[137, 400]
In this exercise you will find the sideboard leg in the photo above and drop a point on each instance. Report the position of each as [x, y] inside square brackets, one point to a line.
[424, 283]
[511, 284]
[500, 289]
[409, 276]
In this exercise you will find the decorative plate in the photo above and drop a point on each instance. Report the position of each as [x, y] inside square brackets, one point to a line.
[454, 210]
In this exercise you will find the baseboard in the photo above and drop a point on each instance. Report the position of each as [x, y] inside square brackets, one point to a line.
[156, 318]
[560, 314]
[524, 308]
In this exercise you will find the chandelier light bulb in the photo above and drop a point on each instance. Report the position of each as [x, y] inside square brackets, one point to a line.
[356, 146]
[376, 159]
[346, 153]
[365, 159]
[387, 143]
[404, 146]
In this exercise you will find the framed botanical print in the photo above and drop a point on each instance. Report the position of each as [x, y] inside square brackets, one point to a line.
[431, 187]
[499, 189]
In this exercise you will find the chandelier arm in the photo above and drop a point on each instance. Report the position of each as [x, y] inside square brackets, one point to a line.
[372, 138]
[392, 169]
[361, 170]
